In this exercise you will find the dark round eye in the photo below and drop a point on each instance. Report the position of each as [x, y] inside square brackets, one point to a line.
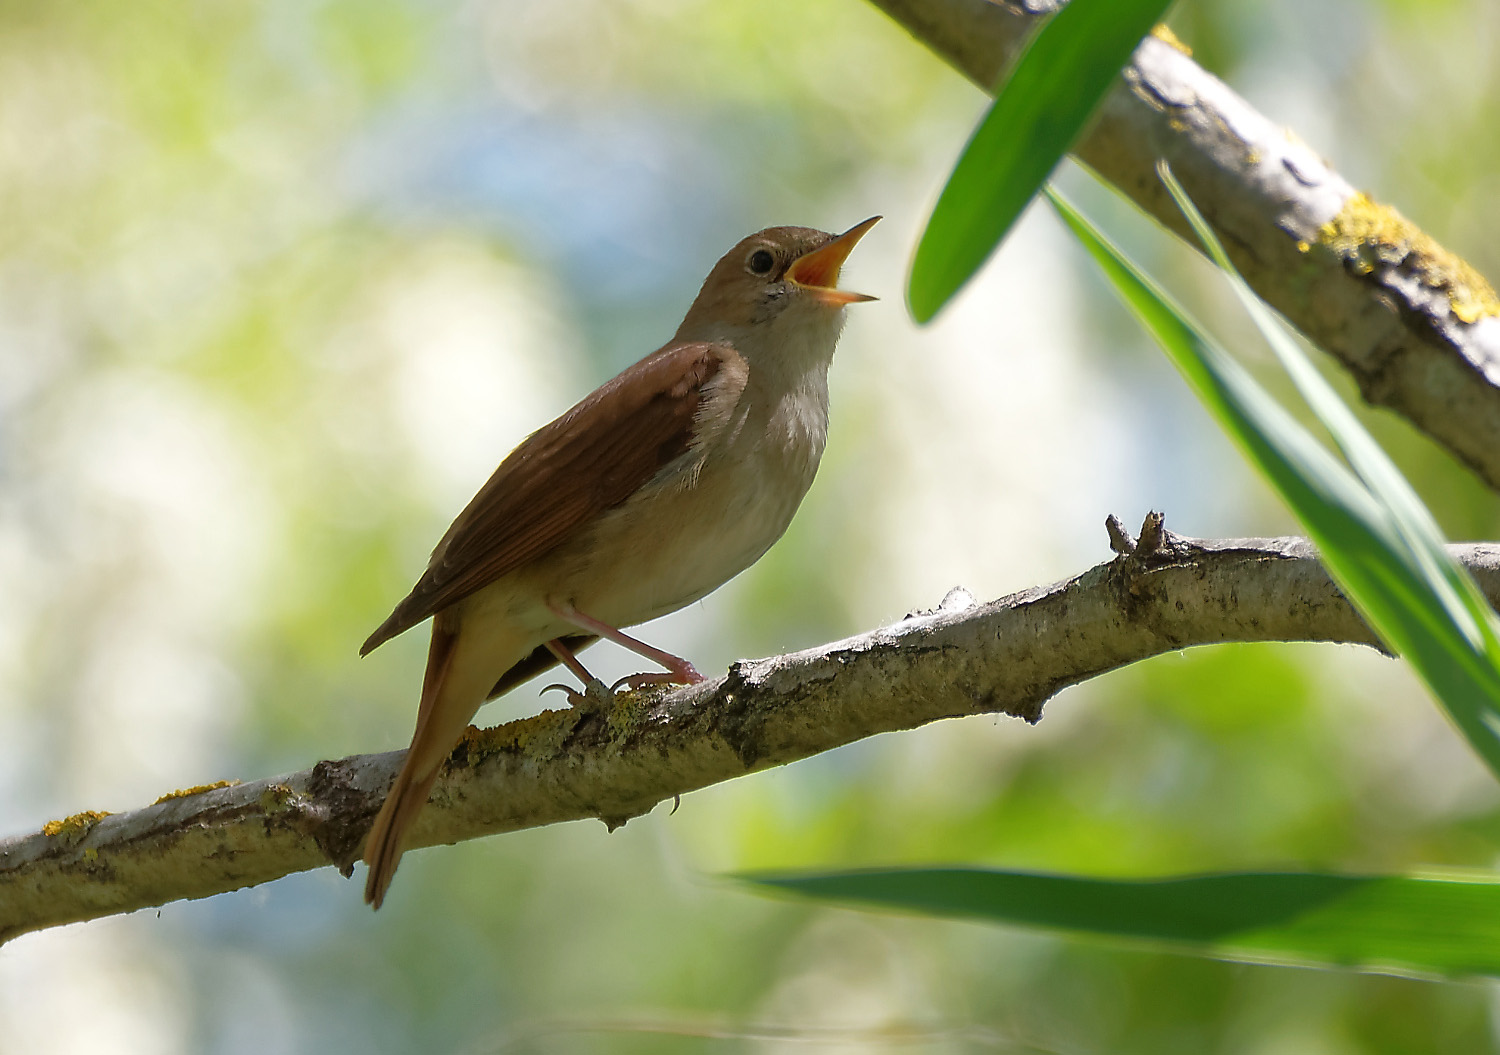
[761, 261]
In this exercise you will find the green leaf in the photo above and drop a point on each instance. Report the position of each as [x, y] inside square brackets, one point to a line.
[1392, 924]
[1465, 603]
[1373, 534]
[1040, 108]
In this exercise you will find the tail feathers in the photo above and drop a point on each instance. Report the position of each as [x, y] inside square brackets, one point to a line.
[385, 844]
[461, 668]
[439, 726]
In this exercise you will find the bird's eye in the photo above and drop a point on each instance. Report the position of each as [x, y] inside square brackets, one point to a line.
[761, 261]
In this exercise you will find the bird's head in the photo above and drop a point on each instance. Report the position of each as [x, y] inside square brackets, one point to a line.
[776, 276]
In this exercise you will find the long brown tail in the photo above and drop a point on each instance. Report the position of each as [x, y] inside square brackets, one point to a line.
[439, 726]
[385, 846]
[462, 668]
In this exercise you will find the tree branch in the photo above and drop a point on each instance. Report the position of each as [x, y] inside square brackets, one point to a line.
[1161, 594]
[1417, 326]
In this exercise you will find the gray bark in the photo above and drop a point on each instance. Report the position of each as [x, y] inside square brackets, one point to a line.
[964, 658]
[1416, 326]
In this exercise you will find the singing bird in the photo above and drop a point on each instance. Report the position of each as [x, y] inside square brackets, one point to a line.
[656, 489]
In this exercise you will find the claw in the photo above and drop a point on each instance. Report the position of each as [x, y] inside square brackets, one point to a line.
[594, 697]
[686, 676]
[640, 681]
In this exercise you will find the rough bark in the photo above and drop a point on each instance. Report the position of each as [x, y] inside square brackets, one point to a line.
[1417, 327]
[1005, 657]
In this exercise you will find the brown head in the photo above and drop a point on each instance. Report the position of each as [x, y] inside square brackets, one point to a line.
[777, 276]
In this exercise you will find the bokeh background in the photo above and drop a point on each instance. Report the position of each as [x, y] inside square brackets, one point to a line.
[281, 281]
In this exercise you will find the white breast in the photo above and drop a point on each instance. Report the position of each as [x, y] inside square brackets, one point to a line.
[688, 534]
[742, 500]
[721, 507]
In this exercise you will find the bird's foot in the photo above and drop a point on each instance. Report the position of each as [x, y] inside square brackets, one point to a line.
[682, 673]
[595, 697]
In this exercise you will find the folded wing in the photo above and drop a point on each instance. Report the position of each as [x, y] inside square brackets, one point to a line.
[563, 475]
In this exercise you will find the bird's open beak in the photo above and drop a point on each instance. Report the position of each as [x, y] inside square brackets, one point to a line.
[818, 272]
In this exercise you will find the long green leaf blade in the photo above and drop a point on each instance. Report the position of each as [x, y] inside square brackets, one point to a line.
[1460, 595]
[1365, 543]
[1364, 455]
[1040, 108]
[1393, 924]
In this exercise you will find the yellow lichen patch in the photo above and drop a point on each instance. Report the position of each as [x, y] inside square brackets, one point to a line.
[1166, 36]
[182, 793]
[625, 716]
[75, 825]
[539, 734]
[276, 798]
[480, 743]
[1366, 233]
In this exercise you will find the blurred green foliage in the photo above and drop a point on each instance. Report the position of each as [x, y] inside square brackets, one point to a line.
[281, 282]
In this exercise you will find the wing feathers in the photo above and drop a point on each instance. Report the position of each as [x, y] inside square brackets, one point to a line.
[589, 460]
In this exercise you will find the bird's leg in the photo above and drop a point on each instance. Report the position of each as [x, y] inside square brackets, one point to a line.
[679, 670]
[594, 695]
[566, 657]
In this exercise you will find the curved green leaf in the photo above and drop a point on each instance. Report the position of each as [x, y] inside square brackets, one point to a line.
[1041, 105]
[1372, 532]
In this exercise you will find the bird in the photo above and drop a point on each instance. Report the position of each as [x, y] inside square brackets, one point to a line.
[654, 490]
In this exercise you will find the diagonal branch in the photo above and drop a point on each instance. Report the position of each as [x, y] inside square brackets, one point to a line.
[1010, 656]
[1417, 327]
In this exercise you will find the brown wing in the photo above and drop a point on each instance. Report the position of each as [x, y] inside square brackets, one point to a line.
[563, 475]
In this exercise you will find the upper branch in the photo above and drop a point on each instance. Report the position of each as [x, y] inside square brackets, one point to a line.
[1417, 326]
[1006, 657]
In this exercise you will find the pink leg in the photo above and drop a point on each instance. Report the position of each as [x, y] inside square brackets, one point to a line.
[680, 671]
[565, 656]
[594, 695]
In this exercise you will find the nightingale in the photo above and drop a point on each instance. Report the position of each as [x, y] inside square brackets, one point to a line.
[656, 489]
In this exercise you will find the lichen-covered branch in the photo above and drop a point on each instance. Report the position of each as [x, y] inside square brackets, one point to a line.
[1417, 326]
[1006, 657]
